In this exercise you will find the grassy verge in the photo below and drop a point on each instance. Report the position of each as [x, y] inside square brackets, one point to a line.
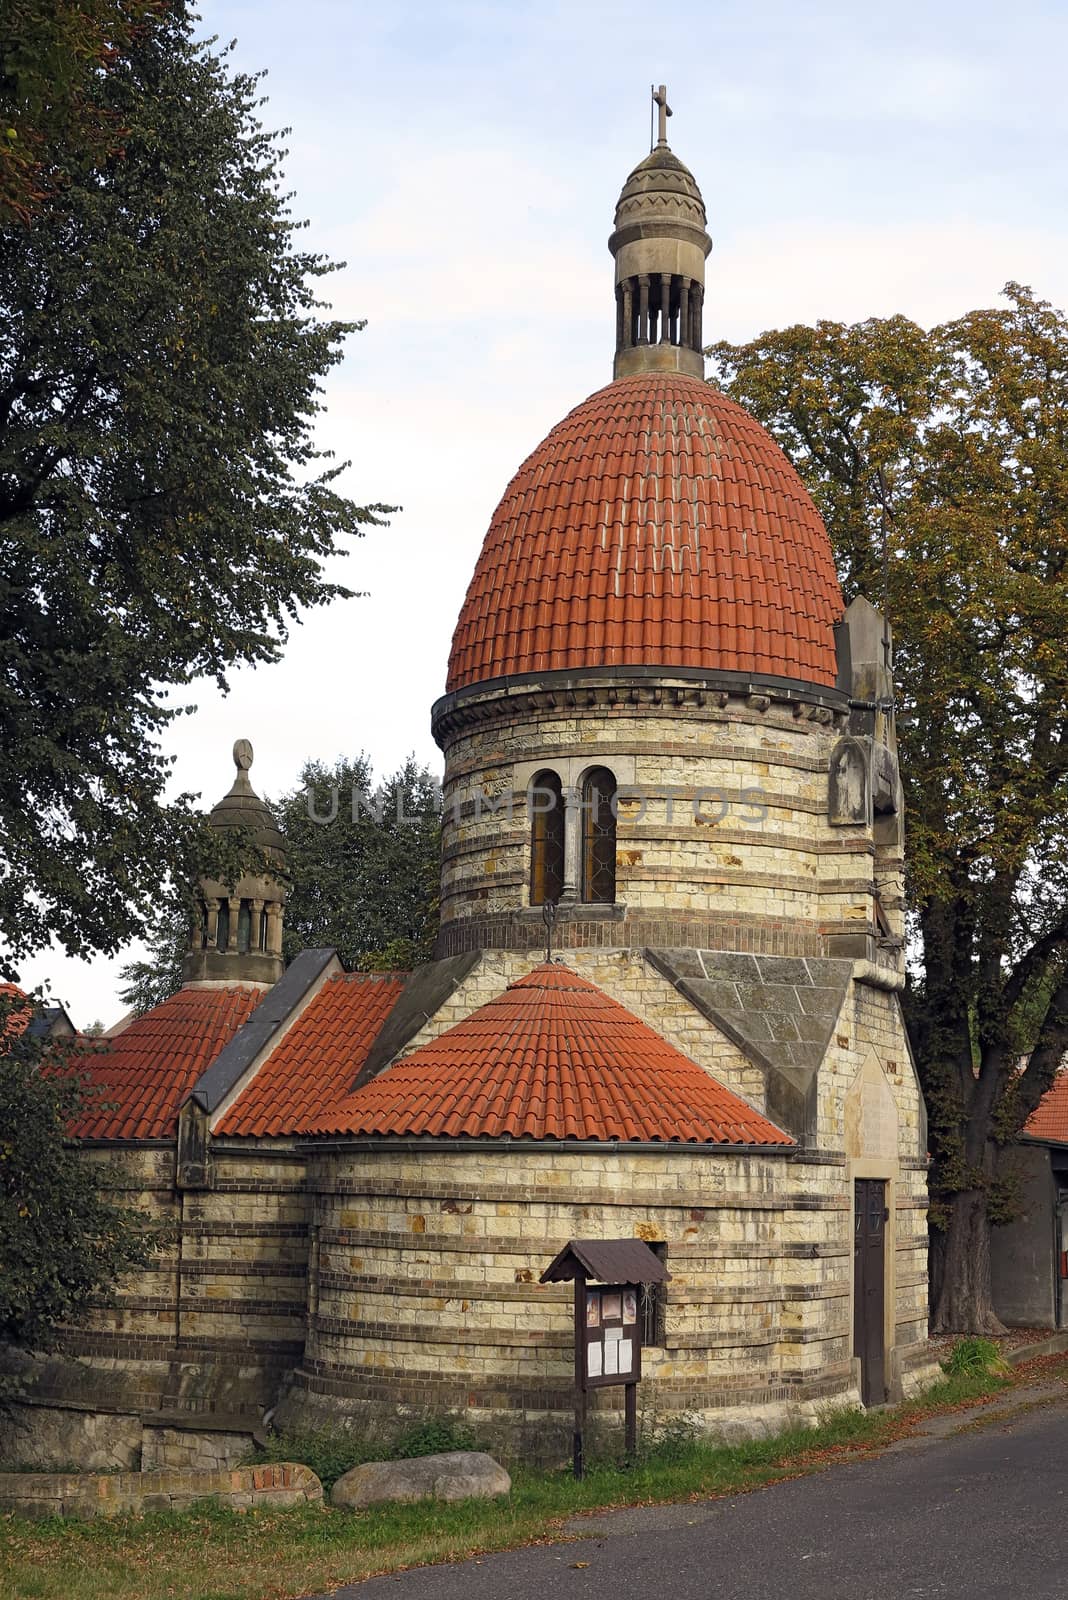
[213, 1554]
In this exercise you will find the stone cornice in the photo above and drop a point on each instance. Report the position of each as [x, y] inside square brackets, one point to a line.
[606, 688]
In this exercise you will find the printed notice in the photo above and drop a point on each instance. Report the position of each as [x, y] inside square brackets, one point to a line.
[593, 1360]
[611, 1359]
[611, 1308]
[630, 1305]
[613, 1333]
[626, 1356]
[593, 1311]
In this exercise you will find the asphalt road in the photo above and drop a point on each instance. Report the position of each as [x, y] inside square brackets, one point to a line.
[981, 1515]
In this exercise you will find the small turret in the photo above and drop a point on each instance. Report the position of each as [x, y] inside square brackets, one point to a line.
[238, 936]
[660, 245]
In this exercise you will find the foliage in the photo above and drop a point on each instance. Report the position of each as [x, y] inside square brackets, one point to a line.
[952, 447]
[433, 1437]
[669, 1438]
[973, 1357]
[363, 880]
[163, 511]
[54, 55]
[146, 983]
[63, 1240]
[312, 1549]
[330, 1452]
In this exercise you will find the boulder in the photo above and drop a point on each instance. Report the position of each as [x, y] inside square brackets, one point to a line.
[455, 1475]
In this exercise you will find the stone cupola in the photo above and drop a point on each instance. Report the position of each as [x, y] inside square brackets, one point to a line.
[660, 245]
[238, 935]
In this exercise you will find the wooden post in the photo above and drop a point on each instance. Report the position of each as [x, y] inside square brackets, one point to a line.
[630, 1404]
[577, 1461]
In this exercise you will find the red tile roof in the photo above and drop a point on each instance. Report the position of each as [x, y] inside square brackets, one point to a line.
[140, 1080]
[657, 525]
[1049, 1119]
[315, 1064]
[553, 1057]
[21, 1009]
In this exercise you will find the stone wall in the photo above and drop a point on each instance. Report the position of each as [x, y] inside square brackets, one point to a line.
[426, 1295]
[82, 1495]
[214, 1324]
[759, 854]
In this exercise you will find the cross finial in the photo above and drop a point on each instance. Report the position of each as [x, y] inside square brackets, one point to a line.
[660, 100]
[548, 916]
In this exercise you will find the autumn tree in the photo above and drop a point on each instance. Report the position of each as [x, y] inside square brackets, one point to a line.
[164, 513]
[363, 863]
[54, 57]
[950, 449]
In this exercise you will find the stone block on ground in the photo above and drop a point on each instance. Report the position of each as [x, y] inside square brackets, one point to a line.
[453, 1475]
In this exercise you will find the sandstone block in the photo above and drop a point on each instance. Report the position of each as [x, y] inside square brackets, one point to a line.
[454, 1475]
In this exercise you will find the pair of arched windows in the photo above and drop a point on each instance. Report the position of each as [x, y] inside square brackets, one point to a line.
[550, 821]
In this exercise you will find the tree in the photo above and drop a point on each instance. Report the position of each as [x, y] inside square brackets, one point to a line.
[164, 513]
[63, 1240]
[53, 57]
[952, 446]
[363, 863]
[147, 983]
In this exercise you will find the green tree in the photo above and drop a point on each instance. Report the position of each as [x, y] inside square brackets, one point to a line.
[363, 868]
[164, 513]
[149, 981]
[63, 1239]
[953, 445]
[54, 55]
[366, 881]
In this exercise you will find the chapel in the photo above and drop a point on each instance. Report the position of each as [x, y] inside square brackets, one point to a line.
[665, 1003]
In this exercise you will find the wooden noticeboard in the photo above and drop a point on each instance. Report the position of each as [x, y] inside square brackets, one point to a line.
[607, 1326]
[612, 1351]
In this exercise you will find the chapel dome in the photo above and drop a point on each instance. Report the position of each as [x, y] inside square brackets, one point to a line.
[657, 526]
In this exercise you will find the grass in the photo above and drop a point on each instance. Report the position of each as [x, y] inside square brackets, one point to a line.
[215, 1554]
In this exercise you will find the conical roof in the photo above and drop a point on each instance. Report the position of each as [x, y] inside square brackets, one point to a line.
[241, 806]
[552, 1057]
[661, 188]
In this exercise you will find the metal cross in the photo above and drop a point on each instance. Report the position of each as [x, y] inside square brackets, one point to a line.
[661, 101]
[548, 916]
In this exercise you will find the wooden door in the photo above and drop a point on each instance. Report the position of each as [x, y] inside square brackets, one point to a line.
[869, 1293]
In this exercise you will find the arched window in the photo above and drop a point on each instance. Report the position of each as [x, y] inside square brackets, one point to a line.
[599, 837]
[222, 926]
[263, 930]
[545, 804]
[244, 928]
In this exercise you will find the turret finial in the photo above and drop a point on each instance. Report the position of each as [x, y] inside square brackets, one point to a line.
[660, 100]
[242, 755]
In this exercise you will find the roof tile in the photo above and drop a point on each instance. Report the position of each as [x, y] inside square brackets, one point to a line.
[317, 1060]
[1049, 1119]
[552, 1057]
[136, 1085]
[585, 519]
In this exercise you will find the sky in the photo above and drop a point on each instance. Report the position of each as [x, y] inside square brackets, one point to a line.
[463, 160]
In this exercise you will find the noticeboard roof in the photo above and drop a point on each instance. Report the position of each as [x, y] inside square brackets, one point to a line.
[607, 1261]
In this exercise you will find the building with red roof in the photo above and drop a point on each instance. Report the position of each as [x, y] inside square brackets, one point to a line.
[664, 1004]
[1029, 1255]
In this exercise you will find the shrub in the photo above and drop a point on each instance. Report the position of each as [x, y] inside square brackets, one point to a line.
[434, 1435]
[332, 1450]
[974, 1357]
